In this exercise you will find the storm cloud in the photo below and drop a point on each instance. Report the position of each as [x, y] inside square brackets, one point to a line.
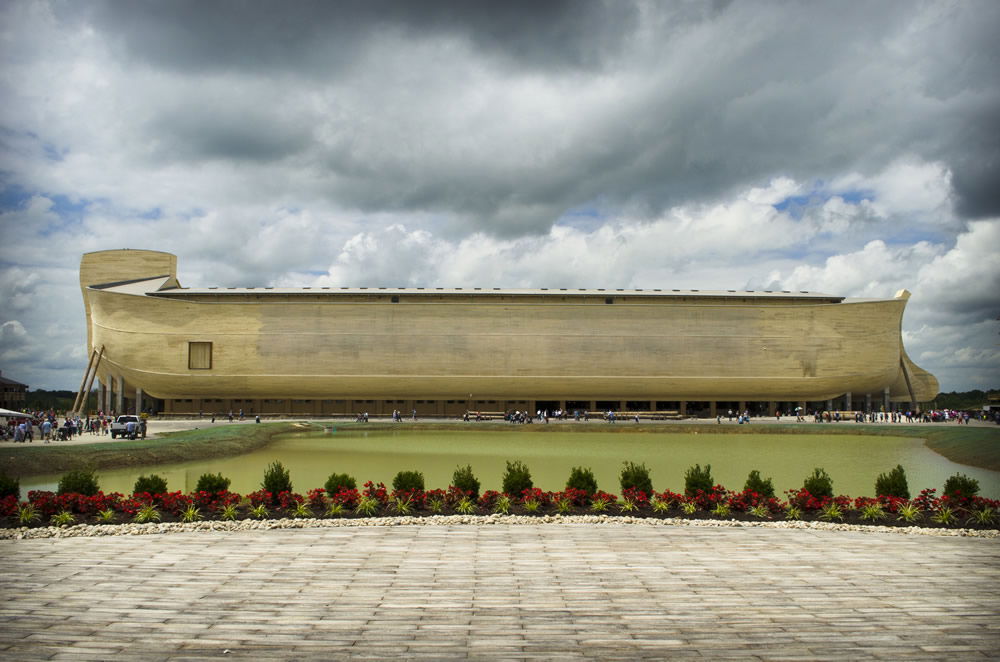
[852, 148]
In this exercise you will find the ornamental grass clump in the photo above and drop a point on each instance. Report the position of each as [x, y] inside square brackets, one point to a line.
[599, 504]
[79, 482]
[502, 505]
[337, 483]
[27, 514]
[465, 506]
[761, 486]
[660, 505]
[276, 480]
[367, 506]
[150, 485]
[212, 483]
[819, 484]
[831, 512]
[893, 484]
[191, 514]
[63, 518]
[465, 480]
[984, 516]
[697, 479]
[872, 512]
[147, 513]
[722, 510]
[909, 513]
[106, 516]
[635, 477]
[582, 478]
[408, 481]
[516, 478]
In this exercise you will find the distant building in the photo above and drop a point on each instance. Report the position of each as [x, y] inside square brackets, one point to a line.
[442, 351]
[13, 395]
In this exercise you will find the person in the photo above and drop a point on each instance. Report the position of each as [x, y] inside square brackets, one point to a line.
[46, 430]
[730, 415]
[258, 418]
[414, 414]
[130, 430]
[142, 427]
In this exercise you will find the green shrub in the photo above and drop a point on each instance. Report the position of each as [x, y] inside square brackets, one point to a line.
[338, 482]
[761, 486]
[277, 480]
[465, 480]
[79, 482]
[893, 484]
[406, 481]
[582, 479]
[697, 478]
[961, 486]
[212, 483]
[635, 476]
[150, 485]
[9, 486]
[516, 479]
[819, 484]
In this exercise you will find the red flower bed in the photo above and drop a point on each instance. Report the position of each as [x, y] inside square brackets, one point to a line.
[966, 511]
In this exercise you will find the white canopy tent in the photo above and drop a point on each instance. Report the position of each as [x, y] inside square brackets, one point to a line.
[9, 413]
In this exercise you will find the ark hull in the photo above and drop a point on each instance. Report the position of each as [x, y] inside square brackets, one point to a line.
[502, 345]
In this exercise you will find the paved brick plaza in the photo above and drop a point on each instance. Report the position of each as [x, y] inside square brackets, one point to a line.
[550, 591]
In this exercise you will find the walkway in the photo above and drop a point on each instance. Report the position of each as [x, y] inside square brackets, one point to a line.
[547, 592]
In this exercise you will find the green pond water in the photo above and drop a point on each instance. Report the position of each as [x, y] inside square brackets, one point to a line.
[852, 461]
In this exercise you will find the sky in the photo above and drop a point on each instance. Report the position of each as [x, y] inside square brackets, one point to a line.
[851, 149]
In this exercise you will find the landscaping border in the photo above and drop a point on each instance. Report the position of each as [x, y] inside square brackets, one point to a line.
[132, 529]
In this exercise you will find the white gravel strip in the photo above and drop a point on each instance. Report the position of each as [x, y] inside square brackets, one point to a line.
[132, 529]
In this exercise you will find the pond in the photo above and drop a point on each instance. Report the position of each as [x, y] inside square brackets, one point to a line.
[853, 461]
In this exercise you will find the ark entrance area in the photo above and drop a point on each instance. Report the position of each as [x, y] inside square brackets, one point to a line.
[496, 408]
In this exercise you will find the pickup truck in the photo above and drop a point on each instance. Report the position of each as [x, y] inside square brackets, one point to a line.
[118, 427]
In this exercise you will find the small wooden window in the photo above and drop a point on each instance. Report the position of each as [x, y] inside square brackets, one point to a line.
[199, 356]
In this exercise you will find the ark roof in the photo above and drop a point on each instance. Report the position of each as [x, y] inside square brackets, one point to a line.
[162, 287]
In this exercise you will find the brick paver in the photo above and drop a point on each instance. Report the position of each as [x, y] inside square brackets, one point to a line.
[552, 591]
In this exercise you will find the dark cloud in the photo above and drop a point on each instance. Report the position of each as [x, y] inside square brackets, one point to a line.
[315, 37]
[710, 97]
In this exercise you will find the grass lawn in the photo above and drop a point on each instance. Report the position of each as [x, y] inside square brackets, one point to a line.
[222, 441]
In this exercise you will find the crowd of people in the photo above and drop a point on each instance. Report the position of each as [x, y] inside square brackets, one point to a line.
[45, 426]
